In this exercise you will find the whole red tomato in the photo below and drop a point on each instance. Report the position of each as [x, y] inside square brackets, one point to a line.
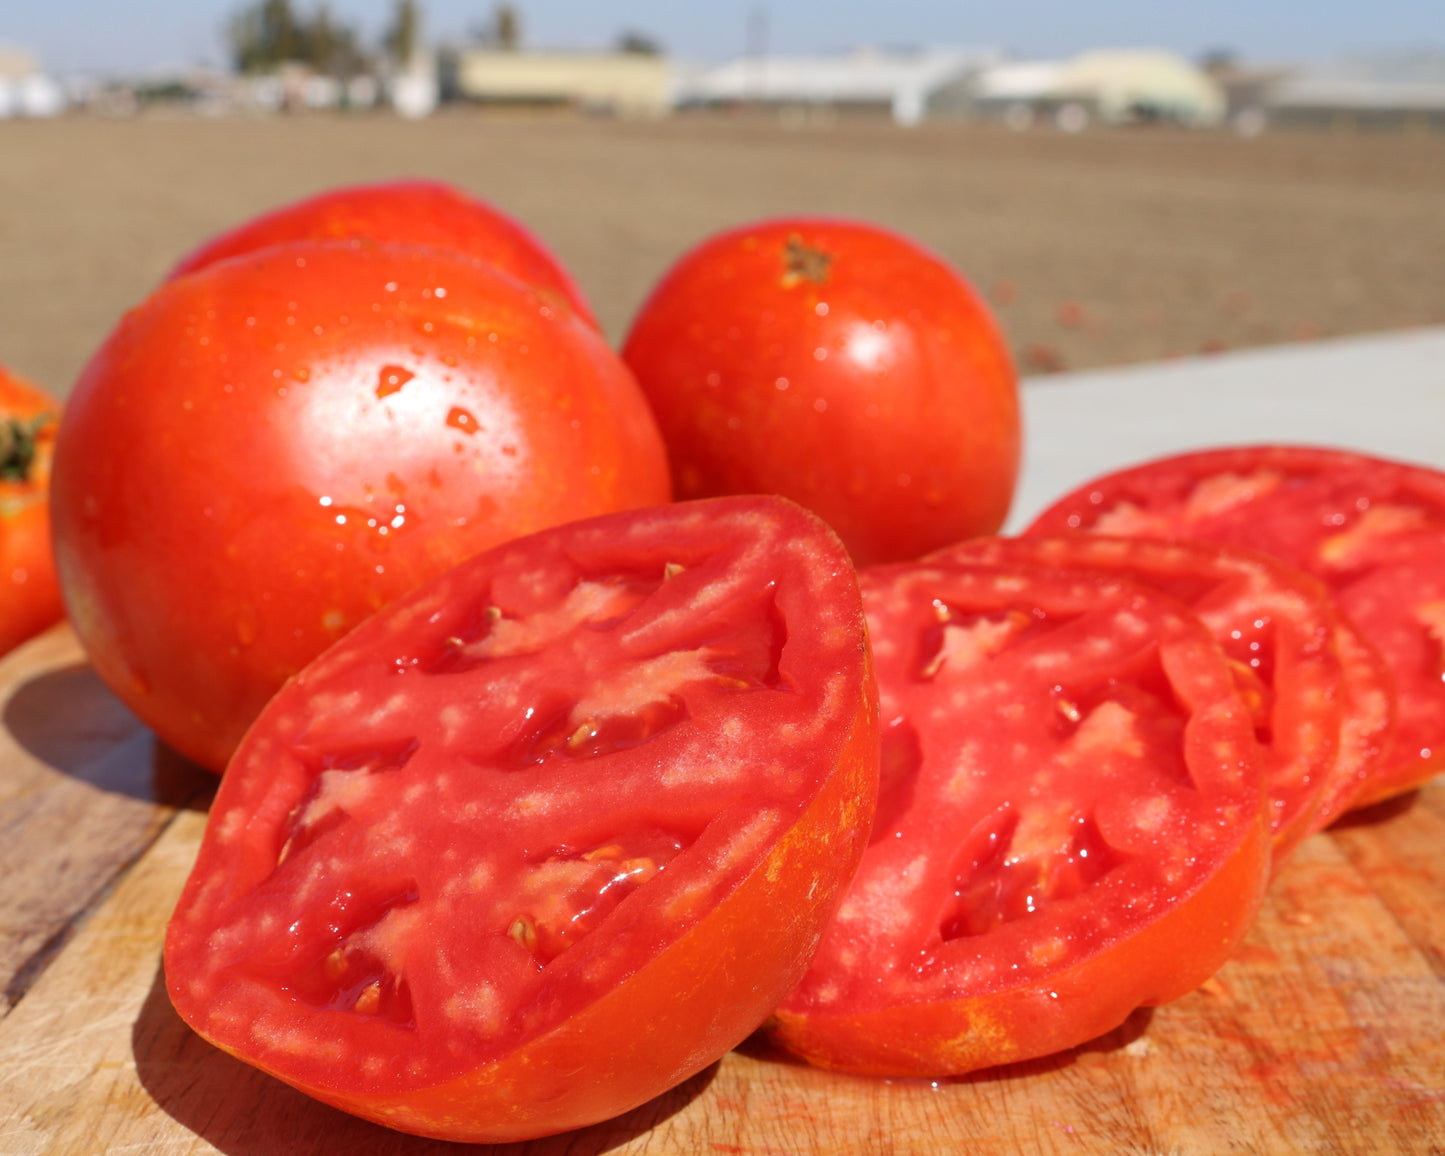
[403, 212]
[270, 449]
[29, 596]
[842, 366]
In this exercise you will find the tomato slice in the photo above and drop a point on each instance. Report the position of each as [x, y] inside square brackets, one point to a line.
[1361, 524]
[1276, 625]
[1070, 823]
[548, 836]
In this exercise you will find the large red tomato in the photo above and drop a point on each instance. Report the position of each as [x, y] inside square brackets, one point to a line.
[842, 366]
[403, 212]
[270, 449]
[549, 835]
[29, 596]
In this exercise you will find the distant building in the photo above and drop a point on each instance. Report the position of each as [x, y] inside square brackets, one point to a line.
[1114, 86]
[904, 85]
[624, 83]
[1366, 93]
[25, 90]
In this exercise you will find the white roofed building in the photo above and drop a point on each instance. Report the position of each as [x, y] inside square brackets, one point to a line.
[1372, 92]
[25, 90]
[1115, 86]
[902, 84]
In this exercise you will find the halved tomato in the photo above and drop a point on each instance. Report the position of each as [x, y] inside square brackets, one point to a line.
[1373, 530]
[1070, 823]
[549, 835]
[1277, 626]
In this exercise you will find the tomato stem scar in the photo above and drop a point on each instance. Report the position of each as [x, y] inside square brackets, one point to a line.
[803, 263]
[17, 446]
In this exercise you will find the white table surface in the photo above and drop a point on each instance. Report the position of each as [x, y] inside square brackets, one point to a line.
[1383, 394]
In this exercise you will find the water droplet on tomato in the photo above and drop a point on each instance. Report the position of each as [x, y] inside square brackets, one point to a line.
[459, 418]
[392, 378]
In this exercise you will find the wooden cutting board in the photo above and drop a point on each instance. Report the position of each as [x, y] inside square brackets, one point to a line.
[1325, 1035]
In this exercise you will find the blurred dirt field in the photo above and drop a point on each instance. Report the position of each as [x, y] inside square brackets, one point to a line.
[1097, 249]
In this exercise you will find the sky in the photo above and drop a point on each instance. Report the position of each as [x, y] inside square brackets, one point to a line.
[128, 36]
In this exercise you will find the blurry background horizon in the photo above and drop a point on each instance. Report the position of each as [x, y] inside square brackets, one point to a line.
[1123, 181]
[101, 37]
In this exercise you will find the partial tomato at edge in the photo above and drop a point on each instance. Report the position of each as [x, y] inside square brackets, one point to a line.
[29, 594]
[270, 449]
[547, 836]
[840, 365]
[408, 212]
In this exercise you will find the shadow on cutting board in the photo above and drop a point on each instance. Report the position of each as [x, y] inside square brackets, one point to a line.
[244, 1112]
[69, 719]
[1376, 813]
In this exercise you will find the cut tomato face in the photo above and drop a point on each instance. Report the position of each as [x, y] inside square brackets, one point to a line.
[548, 836]
[1069, 825]
[1276, 625]
[1360, 524]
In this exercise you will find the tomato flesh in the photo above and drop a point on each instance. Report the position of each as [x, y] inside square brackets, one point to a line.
[1276, 625]
[1362, 525]
[577, 774]
[1071, 823]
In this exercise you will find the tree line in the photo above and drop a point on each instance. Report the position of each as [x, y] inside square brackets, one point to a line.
[272, 32]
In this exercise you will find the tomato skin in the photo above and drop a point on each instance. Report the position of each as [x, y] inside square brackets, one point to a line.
[29, 593]
[1074, 1006]
[270, 449]
[842, 366]
[686, 966]
[407, 212]
[1022, 898]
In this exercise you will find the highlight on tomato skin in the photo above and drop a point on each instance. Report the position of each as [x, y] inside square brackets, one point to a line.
[1070, 823]
[427, 213]
[29, 593]
[547, 836]
[270, 449]
[841, 365]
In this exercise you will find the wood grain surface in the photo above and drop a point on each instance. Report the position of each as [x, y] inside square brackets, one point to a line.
[1326, 1034]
